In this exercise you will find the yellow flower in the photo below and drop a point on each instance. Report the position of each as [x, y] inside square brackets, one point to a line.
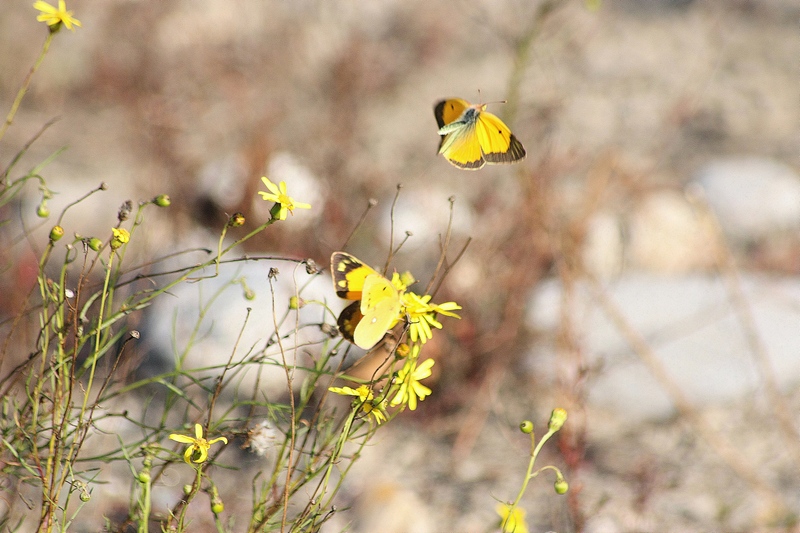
[119, 237]
[511, 521]
[198, 445]
[277, 194]
[365, 399]
[422, 315]
[402, 281]
[410, 377]
[54, 17]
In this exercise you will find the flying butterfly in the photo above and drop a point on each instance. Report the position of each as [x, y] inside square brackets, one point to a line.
[377, 302]
[472, 137]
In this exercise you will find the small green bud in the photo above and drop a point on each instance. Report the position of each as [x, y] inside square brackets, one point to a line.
[236, 220]
[217, 506]
[557, 419]
[56, 233]
[295, 303]
[144, 477]
[95, 244]
[43, 211]
[162, 200]
[85, 496]
[187, 489]
[526, 427]
[561, 485]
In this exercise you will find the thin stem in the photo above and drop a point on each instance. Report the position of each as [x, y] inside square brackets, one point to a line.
[25, 85]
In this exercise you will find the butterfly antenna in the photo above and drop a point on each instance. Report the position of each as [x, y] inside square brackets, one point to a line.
[482, 103]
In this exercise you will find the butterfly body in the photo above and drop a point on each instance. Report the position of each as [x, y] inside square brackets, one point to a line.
[472, 137]
[377, 302]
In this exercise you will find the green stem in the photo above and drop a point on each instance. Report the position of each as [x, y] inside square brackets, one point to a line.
[530, 474]
[25, 85]
[98, 334]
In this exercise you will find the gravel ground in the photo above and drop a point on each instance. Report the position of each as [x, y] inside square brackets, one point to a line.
[615, 105]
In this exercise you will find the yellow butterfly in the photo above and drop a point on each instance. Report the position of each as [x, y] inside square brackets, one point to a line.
[472, 137]
[377, 306]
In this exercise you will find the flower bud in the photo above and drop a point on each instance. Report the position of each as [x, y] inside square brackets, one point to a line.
[85, 496]
[526, 427]
[43, 211]
[311, 266]
[561, 485]
[162, 200]
[144, 477]
[295, 303]
[125, 211]
[407, 279]
[95, 244]
[557, 419]
[402, 350]
[236, 220]
[56, 233]
[217, 506]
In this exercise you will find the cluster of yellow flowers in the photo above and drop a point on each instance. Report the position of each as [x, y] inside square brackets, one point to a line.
[406, 388]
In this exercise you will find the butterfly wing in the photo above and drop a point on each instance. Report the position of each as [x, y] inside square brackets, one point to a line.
[462, 148]
[457, 124]
[349, 319]
[496, 141]
[449, 110]
[380, 307]
[349, 274]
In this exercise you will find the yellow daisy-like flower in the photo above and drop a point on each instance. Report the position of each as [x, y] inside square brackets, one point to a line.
[198, 445]
[511, 521]
[410, 377]
[278, 194]
[422, 315]
[365, 399]
[54, 17]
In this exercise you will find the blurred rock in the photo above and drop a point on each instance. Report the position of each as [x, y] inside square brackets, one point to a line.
[752, 197]
[665, 236]
[604, 250]
[205, 319]
[661, 234]
[690, 325]
[390, 507]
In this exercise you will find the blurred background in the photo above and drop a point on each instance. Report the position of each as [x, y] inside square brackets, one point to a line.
[639, 268]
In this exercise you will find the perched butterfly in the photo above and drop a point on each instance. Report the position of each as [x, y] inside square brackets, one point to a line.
[377, 305]
[472, 137]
